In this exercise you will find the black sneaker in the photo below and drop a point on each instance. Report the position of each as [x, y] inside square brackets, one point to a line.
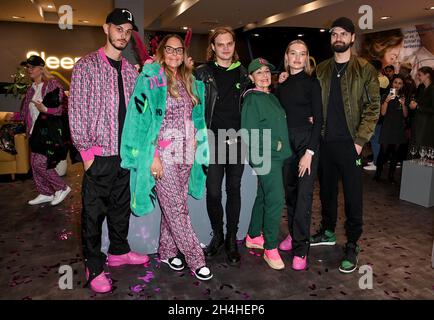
[350, 260]
[203, 273]
[174, 263]
[323, 238]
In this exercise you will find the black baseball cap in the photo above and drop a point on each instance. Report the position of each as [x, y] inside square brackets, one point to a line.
[120, 16]
[345, 23]
[35, 61]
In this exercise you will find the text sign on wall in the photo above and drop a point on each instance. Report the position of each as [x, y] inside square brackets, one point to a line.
[53, 62]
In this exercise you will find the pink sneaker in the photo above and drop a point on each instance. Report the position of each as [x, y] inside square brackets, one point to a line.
[272, 257]
[255, 243]
[127, 258]
[286, 245]
[101, 284]
[299, 263]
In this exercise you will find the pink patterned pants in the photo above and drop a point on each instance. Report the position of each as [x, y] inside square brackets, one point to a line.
[47, 180]
[176, 231]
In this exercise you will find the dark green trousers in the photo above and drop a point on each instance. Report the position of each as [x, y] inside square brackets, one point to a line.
[269, 202]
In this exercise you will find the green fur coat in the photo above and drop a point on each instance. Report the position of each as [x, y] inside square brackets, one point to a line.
[145, 114]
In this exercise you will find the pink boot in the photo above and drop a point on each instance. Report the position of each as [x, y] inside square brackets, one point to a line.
[101, 284]
[127, 258]
[272, 257]
[286, 245]
[255, 243]
[299, 263]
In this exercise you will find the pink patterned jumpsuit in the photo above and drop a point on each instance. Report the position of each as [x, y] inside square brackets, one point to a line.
[176, 151]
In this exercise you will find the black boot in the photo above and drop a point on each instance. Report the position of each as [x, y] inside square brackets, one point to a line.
[232, 254]
[392, 169]
[377, 175]
[216, 244]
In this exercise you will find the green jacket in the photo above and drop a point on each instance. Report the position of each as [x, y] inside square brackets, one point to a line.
[263, 111]
[361, 94]
[146, 111]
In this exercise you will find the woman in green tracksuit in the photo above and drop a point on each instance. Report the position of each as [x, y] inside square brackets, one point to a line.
[265, 131]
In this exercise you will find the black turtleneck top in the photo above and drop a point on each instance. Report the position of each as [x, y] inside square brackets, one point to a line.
[300, 96]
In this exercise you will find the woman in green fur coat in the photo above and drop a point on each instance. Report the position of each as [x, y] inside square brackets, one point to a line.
[165, 146]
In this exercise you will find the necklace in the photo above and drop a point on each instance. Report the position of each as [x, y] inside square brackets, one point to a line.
[339, 71]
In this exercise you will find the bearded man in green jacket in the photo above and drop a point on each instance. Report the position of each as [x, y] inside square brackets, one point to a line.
[351, 105]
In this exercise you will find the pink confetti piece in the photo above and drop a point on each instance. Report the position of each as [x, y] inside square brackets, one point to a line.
[137, 288]
[148, 277]
[64, 235]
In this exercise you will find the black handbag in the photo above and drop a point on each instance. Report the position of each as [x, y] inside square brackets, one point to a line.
[49, 133]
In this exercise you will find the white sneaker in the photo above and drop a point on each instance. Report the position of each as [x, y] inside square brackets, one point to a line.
[60, 195]
[203, 274]
[41, 199]
[371, 167]
[174, 263]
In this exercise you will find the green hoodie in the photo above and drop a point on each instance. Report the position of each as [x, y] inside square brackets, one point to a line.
[263, 111]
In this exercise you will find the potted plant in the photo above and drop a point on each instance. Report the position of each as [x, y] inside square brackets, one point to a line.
[15, 91]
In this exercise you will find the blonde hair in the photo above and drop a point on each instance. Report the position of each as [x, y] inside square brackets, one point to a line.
[184, 72]
[46, 75]
[210, 54]
[307, 67]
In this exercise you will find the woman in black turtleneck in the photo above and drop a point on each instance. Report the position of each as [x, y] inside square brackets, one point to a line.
[300, 95]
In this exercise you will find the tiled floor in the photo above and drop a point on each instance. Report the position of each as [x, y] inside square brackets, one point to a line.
[397, 244]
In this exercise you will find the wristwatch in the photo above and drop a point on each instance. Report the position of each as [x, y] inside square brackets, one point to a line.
[310, 152]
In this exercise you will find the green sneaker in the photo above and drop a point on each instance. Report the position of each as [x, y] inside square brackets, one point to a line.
[323, 238]
[350, 260]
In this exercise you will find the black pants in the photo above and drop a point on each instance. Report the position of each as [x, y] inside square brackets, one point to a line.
[105, 194]
[299, 191]
[234, 173]
[341, 159]
[392, 152]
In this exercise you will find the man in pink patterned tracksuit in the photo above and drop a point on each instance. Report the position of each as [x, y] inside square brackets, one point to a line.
[101, 86]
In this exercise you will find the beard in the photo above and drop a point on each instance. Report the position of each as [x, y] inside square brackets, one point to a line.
[118, 47]
[340, 47]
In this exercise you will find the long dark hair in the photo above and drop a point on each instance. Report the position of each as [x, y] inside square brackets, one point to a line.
[427, 70]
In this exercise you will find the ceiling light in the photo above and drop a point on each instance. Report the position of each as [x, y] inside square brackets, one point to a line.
[322, 30]
[300, 35]
[184, 28]
[255, 34]
[385, 17]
